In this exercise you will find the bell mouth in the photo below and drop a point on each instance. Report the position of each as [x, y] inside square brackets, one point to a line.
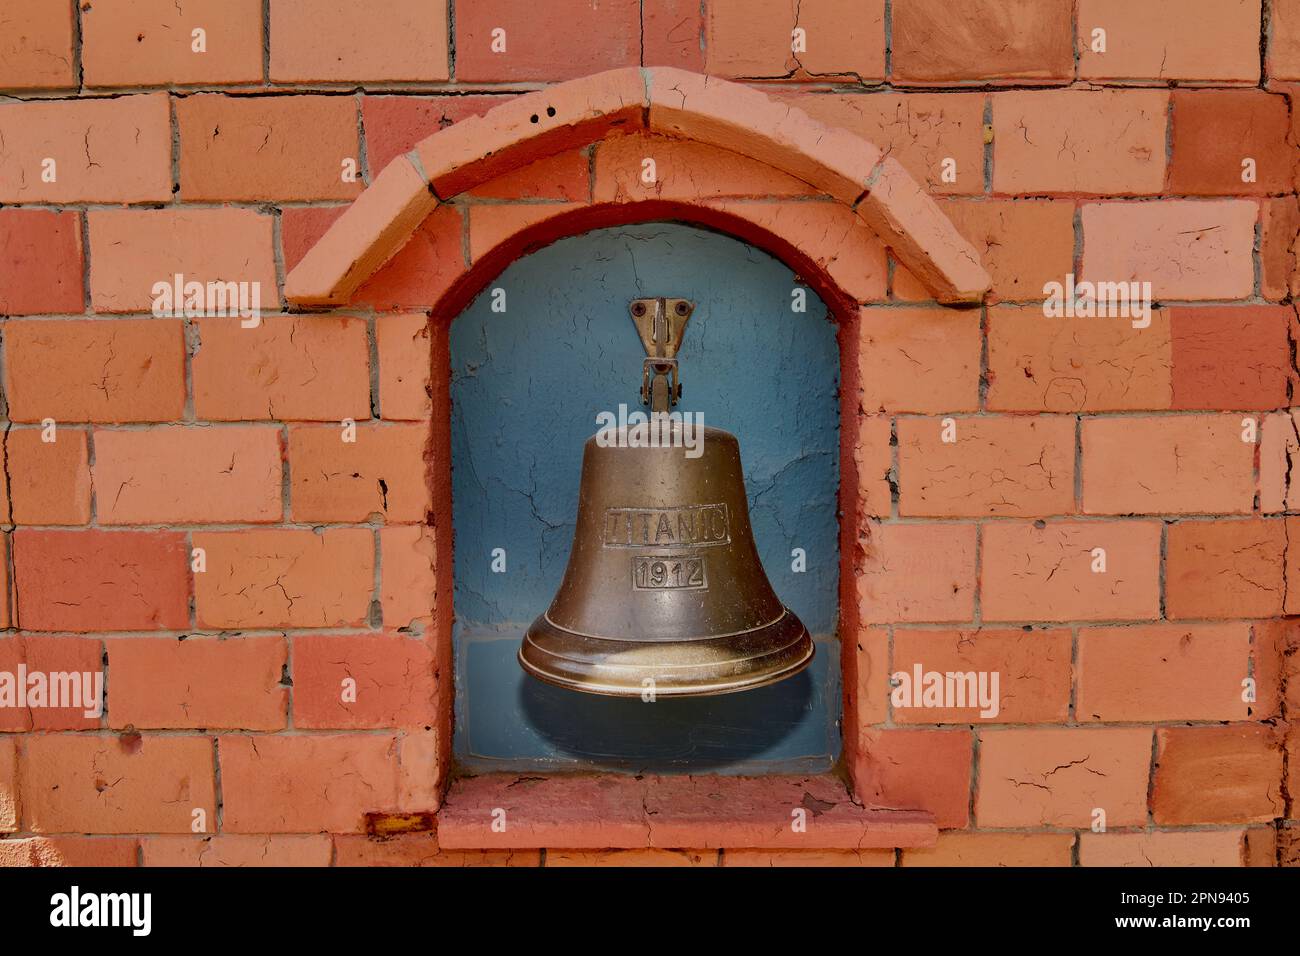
[701, 667]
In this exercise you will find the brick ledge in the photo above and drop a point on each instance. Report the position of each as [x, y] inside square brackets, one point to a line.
[578, 811]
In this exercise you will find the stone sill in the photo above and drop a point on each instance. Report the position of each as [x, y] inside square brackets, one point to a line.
[579, 811]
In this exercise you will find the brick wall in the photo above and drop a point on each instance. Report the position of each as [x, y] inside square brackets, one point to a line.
[198, 525]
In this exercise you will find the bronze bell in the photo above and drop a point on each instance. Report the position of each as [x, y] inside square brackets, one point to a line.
[664, 592]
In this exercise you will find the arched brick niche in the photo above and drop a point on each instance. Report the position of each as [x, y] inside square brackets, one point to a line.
[439, 223]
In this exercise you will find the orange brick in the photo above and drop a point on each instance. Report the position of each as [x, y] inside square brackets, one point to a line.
[36, 48]
[188, 475]
[198, 683]
[404, 346]
[151, 42]
[1225, 569]
[1033, 669]
[427, 266]
[496, 224]
[916, 573]
[683, 170]
[1058, 777]
[1163, 672]
[104, 150]
[126, 370]
[101, 580]
[348, 683]
[339, 42]
[408, 559]
[1171, 40]
[1279, 275]
[420, 779]
[938, 42]
[270, 148]
[52, 655]
[1284, 40]
[917, 770]
[610, 36]
[10, 805]
[5, 608]
[802, 858]
[1215, 131]
[1107, 142]
[1011, 467]
[69, 851]
[232, 849]
[1186, 249]
[1291, 600]
[994, 849]
[874, 459]
[1063, 364]
[1227, 774]
[306, 783]
[1279, 443]
[51, 480]
[672, 34]
[40, 262]
[74, 783]
[133, 250]
[382, 472]
[920, 130]
[1169, 465]
[753, 38]
[1162, 848]
[1232, 356]
[873, 685]
[1033, 573]
[302, 226]
[284, 578]
[421, 849]
[313, 368]
[919, 360]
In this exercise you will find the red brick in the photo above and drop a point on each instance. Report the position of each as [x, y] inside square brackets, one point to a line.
[382, 472]
[74, 783]
[916, 573]
[306, 783]
[5, 609]
[1215, 130]
[938, 42]
[753, 38]
[341, 42]
[151, 42]
[284, 578]
[498, 224]
[422, 769]
[871, 694]
[1171, 848]
[994, 849]
[801, 858]
[1163, 672]
[683, 170]
[421, 849]
[1277, 253]
[391, 678]
[873, 457]
[1107, 142]
[10, 798]
[120, 370]
[1171, 40]
[408, 559]
[50, 480]
[188, 475]
[1279, 443]
[404, 347]
[55, 655]
[94, 852]
[1186, 249]
[923, 360]
[231, 849]
[198, 683]
[1058, 777]
[40, 262]
[1011, 466]
[626, 858]
[1032, 573]
[36, 48]
[1231, 356]
[917, 770]
[1037, 363]
[104, 150]
[1225, 569]
[1284, 40]
[101, 580]
[131, 250]
[672, 34]
[1192, 464]
[302, 226]
[313, 368]
[269, 148]
[1033, 670]
[576, 38]
[1227, 774]
[426, 267]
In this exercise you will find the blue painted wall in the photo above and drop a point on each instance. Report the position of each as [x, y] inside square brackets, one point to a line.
[526, 387]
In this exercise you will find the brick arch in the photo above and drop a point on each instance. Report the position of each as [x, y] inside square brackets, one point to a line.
[839, 166]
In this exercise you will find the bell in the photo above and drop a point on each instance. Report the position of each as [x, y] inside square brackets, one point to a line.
[664, 593]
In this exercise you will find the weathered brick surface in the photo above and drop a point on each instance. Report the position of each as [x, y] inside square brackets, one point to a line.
[40, 261]
[755, 38]
[935, 42]
[1227, 774]
[339, 42]
[36, 49]
[1199, 40]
